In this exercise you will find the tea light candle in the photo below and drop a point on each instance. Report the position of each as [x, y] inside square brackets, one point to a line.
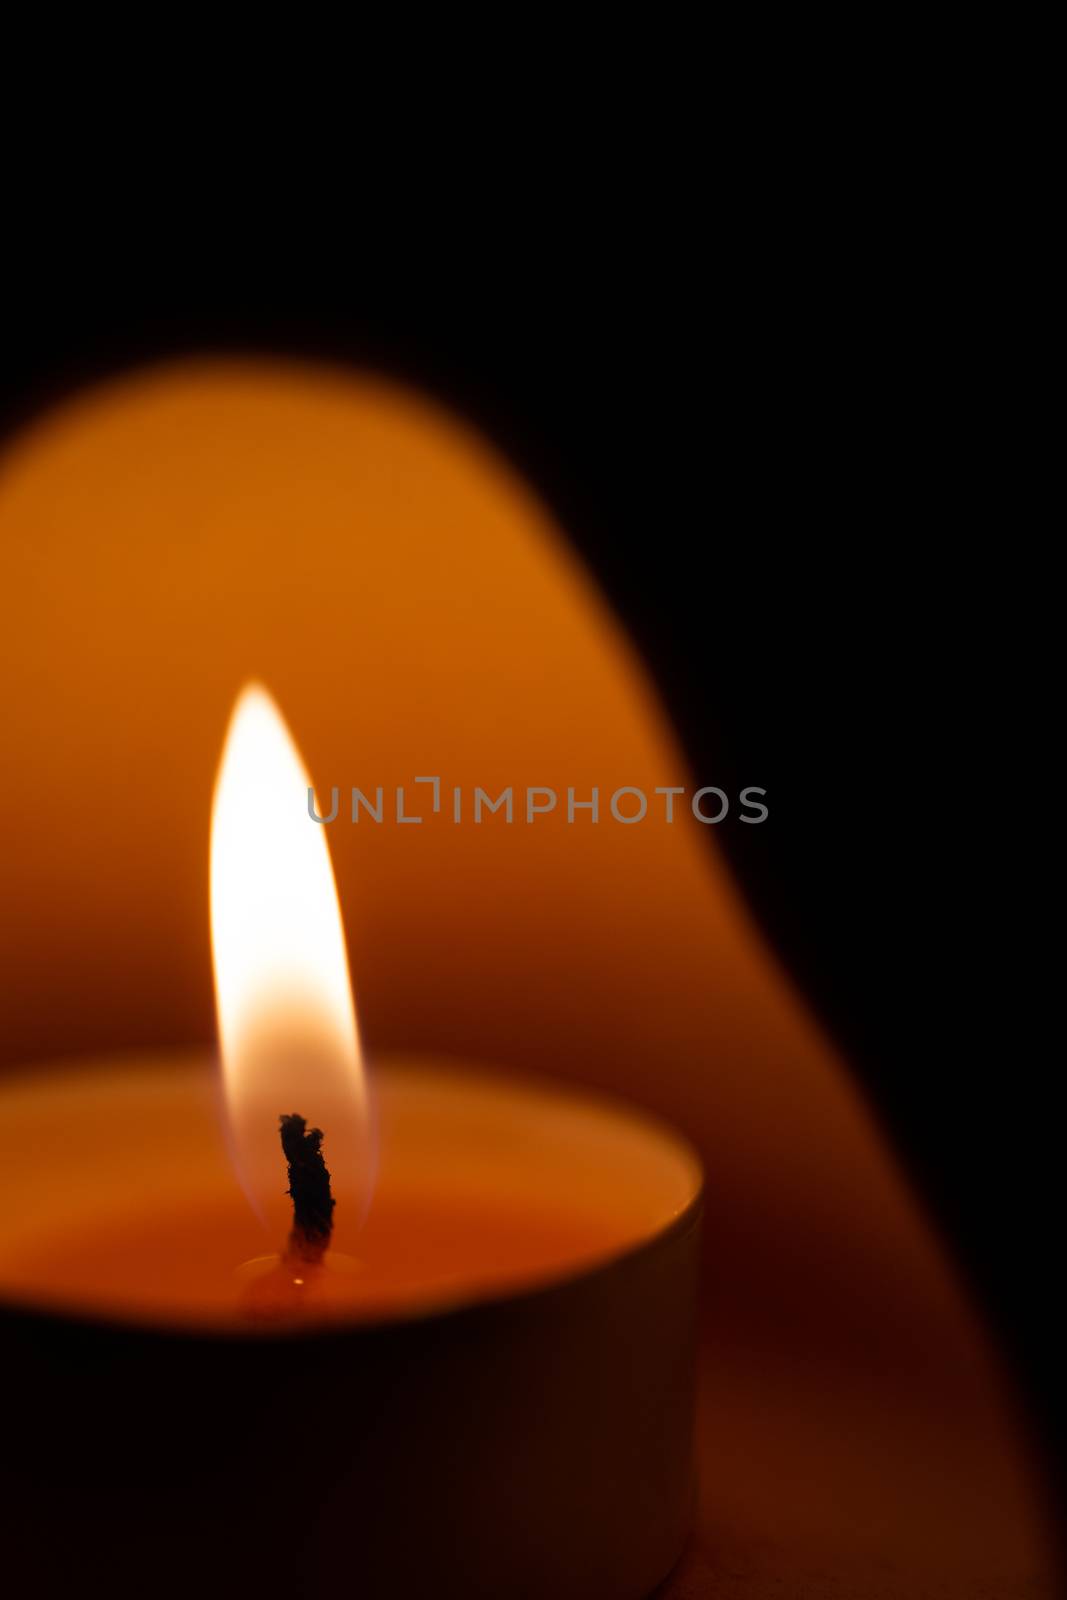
[491, 1394]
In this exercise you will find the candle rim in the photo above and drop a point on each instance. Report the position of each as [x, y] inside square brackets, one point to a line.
[445, 1302]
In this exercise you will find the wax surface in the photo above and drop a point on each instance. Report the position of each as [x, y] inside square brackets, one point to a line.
[119, 1199]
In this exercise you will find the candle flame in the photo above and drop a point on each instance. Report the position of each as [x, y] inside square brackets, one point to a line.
[287, 1022]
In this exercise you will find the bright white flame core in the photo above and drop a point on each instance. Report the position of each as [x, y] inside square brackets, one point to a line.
[287, 1023]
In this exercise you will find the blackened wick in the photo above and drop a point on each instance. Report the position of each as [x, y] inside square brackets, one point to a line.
[309, 1186]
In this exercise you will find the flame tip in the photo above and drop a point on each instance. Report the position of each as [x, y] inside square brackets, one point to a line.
[252, 690]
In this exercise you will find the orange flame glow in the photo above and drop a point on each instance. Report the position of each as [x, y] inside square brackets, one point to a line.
[287, 1022]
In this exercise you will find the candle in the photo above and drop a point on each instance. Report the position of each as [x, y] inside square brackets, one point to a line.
[489, 1393]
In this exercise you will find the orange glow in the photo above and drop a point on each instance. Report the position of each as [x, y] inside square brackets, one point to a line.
[287, 1024]
[412, 603]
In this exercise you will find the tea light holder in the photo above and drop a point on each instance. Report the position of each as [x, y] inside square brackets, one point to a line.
[493, 1420]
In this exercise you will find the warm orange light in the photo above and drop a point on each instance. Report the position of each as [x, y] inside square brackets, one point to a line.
[287, 1022]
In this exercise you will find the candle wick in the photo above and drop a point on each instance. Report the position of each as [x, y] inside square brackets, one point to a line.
[309, 1186]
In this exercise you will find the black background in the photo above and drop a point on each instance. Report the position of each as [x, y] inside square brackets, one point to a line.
[766, 449]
